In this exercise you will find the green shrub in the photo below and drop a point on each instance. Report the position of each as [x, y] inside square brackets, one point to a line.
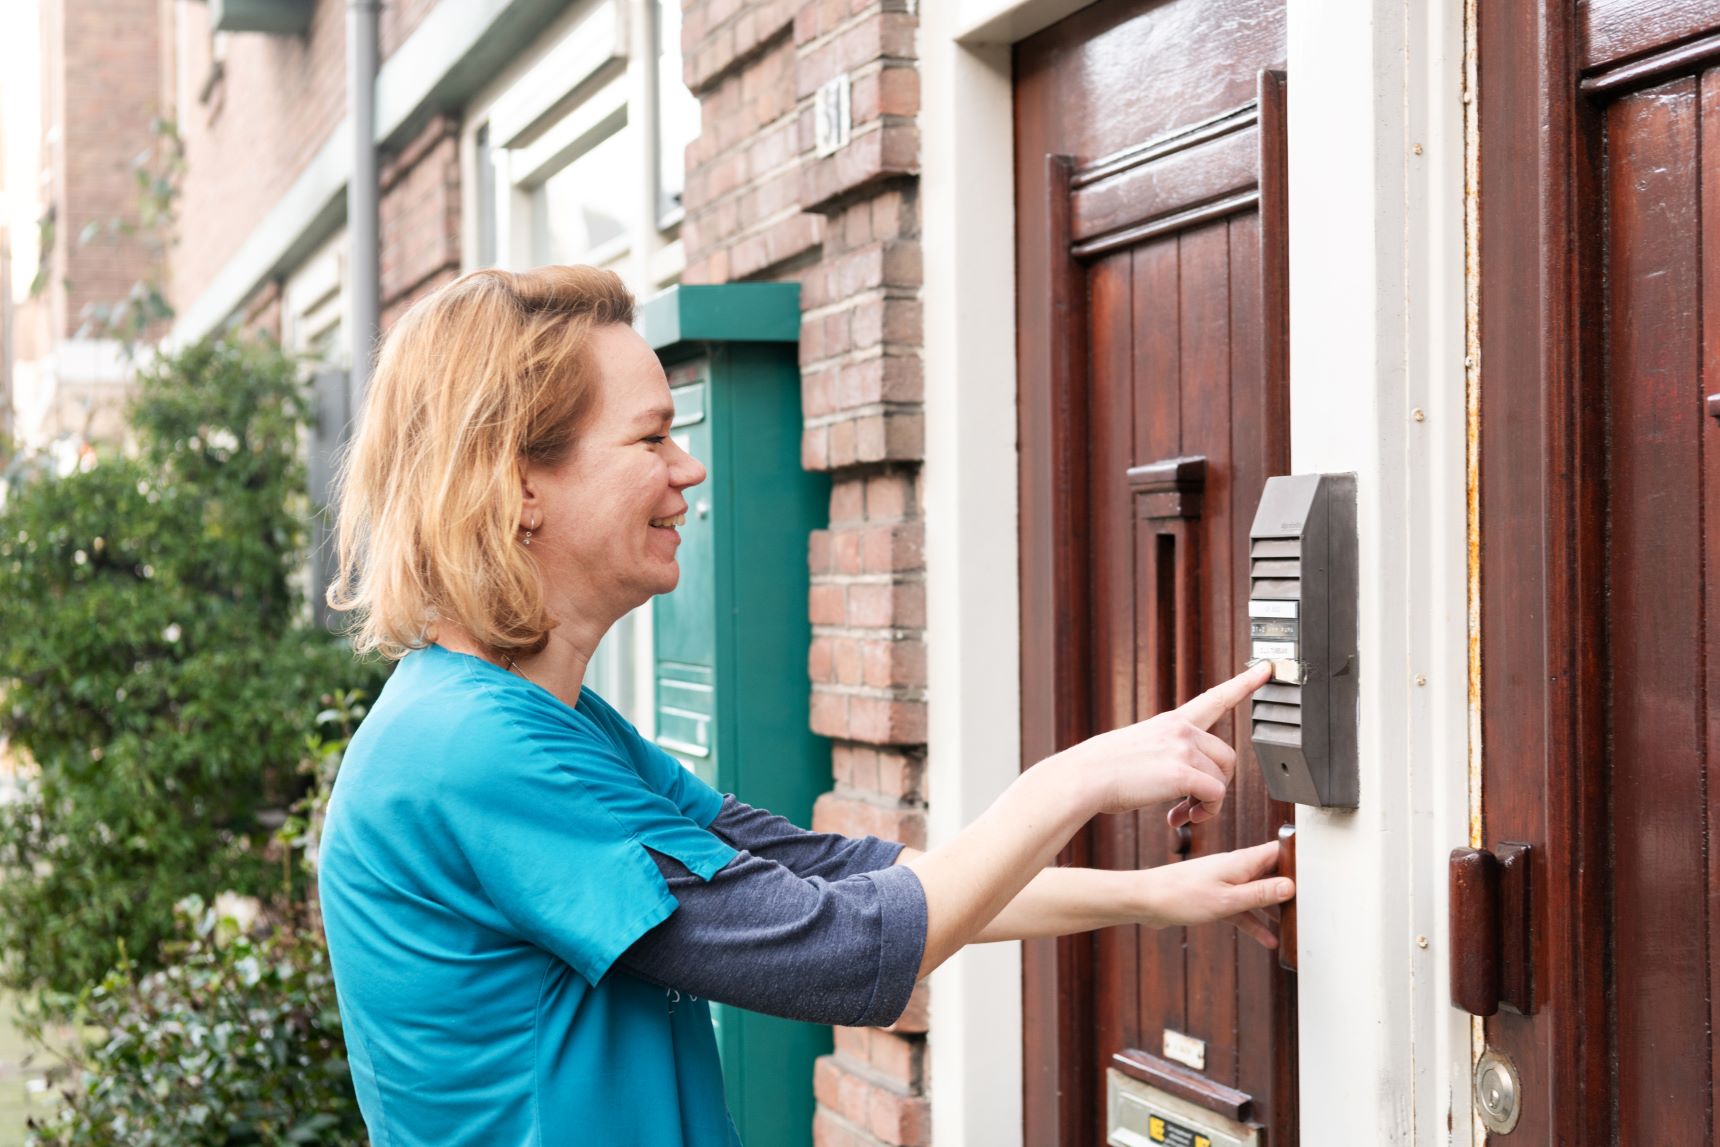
[236, 1041]
[159, 667]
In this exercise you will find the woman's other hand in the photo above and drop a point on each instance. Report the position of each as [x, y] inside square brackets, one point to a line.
[1236, 887]
[1167, 757]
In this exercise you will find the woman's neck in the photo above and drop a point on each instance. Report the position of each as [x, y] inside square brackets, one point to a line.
[558, 667]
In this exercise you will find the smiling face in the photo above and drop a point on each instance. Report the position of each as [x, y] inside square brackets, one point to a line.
[603, 519]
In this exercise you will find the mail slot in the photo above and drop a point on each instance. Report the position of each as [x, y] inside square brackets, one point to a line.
[730, 687]
[1302, 619]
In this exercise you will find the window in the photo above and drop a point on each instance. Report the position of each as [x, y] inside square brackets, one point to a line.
[677, 115]
[583, 212]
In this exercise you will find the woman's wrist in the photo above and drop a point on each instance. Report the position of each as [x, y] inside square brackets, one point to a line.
[1069, 779]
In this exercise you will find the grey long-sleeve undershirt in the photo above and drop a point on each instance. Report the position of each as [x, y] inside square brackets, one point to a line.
[810, 926]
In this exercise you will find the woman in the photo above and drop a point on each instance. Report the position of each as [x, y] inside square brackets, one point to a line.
[527, 903]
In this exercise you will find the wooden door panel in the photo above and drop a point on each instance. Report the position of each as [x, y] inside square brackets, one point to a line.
[1657, 777]
[1110, 297]
[1140, 69]
[1259, 447]
[1155, 326]
[1143, 339]
[1600, 477]
[1614, 30]
[1710, 450]
[1210, 953]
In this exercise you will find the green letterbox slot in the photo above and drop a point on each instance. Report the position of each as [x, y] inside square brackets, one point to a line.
[730, 644]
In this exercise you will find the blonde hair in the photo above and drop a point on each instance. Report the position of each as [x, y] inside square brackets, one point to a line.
[476, 379]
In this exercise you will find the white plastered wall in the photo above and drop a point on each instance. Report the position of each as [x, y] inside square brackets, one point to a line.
[1378, 332]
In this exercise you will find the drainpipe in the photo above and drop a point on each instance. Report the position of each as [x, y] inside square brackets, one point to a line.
[362, 194]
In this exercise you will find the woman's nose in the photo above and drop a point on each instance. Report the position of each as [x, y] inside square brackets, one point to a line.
[688, 472]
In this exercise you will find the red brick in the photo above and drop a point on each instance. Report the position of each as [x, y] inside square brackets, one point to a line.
[882, 721]
[884, 319]
[856, 228]
[893, 549]
[855, 766]
[829, 713]
[901, 775]
[821, 660]
[892, 664]
[888, 151]
[826, 604]
[777, 243]
[852, 441]
[872, 604]
[848, 664]
[814, 440]
[831, 1130]
[890, 496]
[848, 500]
[846, 553]
[893, 215]
[852, 816]
[899, 1119]
[278, 102]
[897, 1058]
[916, 1017]
[818, 560]
[817, 386]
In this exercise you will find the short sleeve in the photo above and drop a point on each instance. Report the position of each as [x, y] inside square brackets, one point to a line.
[555, 829]
[662, 772]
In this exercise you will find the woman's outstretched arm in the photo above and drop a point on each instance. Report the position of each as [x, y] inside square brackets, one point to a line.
[969, 880]
[1228, 886]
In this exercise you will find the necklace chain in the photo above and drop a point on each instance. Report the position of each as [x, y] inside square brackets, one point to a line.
[515, 666]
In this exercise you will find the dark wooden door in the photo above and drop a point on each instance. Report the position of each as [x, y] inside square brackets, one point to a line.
[1600, 525]
[1149, 144]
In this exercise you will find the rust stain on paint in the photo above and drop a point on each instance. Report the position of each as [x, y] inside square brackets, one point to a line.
[1472, 401]
[1472, 474]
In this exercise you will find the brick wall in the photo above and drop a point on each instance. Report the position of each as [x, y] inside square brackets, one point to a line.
[265, 114]
[762, 205]
[102, 60]
[420, 217]
[250, 126]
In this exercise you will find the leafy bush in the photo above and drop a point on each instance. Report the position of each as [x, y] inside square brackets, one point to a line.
[236, 1041]
[159, 667]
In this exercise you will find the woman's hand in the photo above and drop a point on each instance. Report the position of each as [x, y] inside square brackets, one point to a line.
[1167, 757]
[1232, 886]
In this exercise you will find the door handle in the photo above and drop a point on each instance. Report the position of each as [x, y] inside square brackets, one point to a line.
[1287, 912]
[1491, 953]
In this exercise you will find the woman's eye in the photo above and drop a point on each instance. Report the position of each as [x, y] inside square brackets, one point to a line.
[656, 438]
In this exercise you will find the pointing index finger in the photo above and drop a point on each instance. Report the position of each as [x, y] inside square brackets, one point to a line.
[1204, 710]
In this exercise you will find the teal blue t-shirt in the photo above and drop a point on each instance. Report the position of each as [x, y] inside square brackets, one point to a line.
[482, 865]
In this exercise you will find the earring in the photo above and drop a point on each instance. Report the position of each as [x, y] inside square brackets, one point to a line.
[535, 523]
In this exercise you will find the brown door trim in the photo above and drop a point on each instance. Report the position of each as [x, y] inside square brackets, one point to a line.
[1541, 489]
[1056, 689]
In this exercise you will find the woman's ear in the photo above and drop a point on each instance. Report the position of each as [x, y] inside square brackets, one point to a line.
[531, 506]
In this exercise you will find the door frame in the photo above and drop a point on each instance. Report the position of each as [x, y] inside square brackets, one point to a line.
[1389, 79]
[1539, 476]
[972, 594]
